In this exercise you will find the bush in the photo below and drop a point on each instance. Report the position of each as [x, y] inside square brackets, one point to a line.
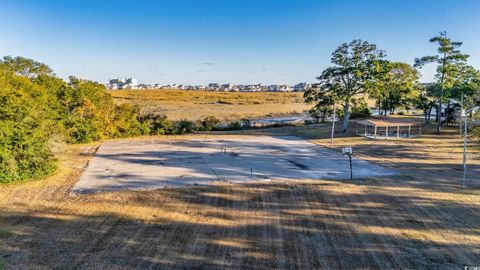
[209, 123]
[359, 109]
[158, 124]
[362, 111]
[237, 125]
[88, 112]
[184, 126]
[126, 122]
[82, 125]
[25, 129]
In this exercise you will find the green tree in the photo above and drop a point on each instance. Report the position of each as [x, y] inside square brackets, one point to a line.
[355, 70]
[395, 86]
[323, 101]
[25, 67]
[25, 129]
[466, 87]
[425, 100]
[447, 59]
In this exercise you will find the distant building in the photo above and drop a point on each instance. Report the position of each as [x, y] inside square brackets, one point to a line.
[132, 83]
[272, 88]
[127, 83]
[301, 87]
[213, 86]
[285, 88]
[226, 87]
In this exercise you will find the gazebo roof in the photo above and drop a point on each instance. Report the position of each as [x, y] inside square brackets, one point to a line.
[388, 122]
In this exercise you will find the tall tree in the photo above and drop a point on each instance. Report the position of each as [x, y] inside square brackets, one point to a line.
[396, 86]
[467, 86]
[447, 59]
[354, 71]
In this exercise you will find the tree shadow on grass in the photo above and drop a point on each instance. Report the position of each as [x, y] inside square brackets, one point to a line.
[306, 225]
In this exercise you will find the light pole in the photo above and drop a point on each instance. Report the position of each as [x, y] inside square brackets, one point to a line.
[465, 134]
[333, 124]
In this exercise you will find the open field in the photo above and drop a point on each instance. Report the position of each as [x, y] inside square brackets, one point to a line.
[153, 164]
[421, 219]
[428, 155]
[196, 105]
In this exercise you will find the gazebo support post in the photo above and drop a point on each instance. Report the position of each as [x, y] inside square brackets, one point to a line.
[375, 134]
[409, 131]
[386, 132]
[398, 132]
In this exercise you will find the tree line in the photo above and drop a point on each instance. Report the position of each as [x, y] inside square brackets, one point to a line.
[360, 69]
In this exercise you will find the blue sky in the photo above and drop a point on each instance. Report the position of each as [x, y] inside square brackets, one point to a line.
[238, 41]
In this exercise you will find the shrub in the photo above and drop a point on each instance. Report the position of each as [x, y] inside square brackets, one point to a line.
[209, 123]
[82, 125]
[237, 125]
[127, 123]
[25, 128]
[158, 124]
[89, 112]
[184, 126]
[359, 109]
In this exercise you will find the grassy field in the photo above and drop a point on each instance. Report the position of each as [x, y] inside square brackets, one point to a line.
[195, 105]
[422, 219]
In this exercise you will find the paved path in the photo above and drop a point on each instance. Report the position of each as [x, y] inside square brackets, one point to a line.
[152, 164]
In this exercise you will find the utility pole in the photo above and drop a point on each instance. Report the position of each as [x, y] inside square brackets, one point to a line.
[333, 124]
[461, 109]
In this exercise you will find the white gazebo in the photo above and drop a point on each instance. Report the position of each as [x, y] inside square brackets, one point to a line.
[384, 128]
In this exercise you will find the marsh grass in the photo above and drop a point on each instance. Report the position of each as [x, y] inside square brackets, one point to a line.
[196, 105]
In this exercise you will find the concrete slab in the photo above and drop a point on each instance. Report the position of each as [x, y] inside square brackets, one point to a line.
[152, 164]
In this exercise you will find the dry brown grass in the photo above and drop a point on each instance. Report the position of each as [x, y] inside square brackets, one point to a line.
[421, 220]
[196, 105]
[429, 153]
